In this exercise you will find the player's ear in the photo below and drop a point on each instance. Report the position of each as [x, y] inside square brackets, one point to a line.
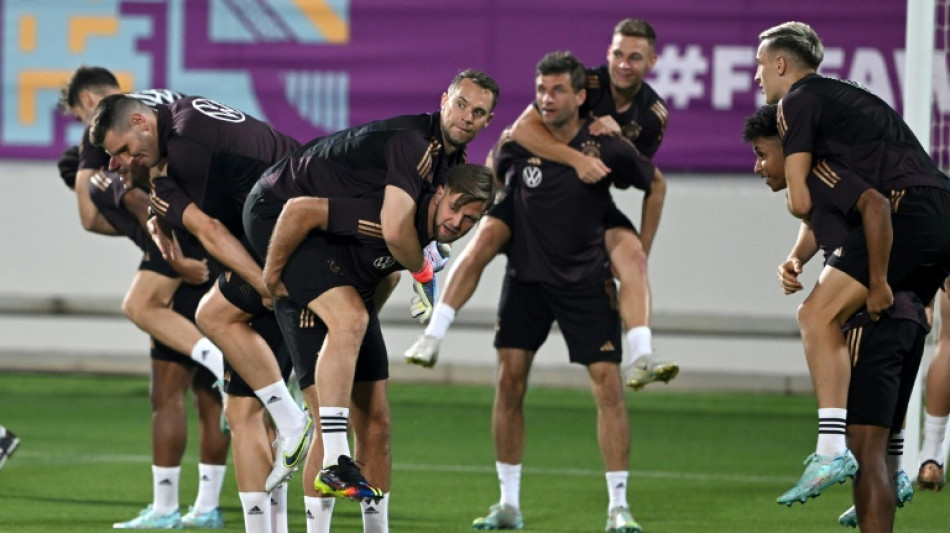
[445, 97]
[581, 96]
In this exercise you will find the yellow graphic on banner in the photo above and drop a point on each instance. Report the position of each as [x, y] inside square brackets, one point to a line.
[325, 20]
[28, 33]
[81, 28]
[31, 82]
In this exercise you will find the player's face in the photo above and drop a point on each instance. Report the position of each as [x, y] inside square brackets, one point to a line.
[465, 111]
[133, 145]
[629, 59]
[770, 162]
[767, 74]
[556, 99]
[452, 221]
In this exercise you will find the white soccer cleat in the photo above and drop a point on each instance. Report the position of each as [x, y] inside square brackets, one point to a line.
[291, 449]
[424, 352]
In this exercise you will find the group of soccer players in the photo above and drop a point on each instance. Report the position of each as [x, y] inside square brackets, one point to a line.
[264, 257]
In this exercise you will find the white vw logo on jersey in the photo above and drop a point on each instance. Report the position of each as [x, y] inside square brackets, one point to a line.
[385, 262]
[531, 176]
[218, 110]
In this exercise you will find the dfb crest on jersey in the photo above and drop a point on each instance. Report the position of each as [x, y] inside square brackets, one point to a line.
[218, 110]
[591, 148]
[385, 262]
[531, 175]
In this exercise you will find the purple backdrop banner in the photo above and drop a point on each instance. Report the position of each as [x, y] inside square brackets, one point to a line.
[311, 67]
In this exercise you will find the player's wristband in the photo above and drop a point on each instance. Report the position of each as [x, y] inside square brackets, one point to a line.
[424, 274]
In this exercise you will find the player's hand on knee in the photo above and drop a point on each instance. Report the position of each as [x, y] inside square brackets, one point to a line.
[438, 254]
[788, 276]
[880, 299]
[421, 305]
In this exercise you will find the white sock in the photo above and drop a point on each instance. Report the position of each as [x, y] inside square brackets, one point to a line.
[165, 488]
[319, 513]
[278, 509]
[287, 415]
[895, 451]
[209, 356]
[509, 477]
[442, 317]
[376, 515]
[333, 421]
[831, 431]
[256, 512]
[617, 489]
[640, 340]
[210, 479]
[935, 429]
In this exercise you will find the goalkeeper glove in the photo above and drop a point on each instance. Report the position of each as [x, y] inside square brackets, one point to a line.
[438, 254]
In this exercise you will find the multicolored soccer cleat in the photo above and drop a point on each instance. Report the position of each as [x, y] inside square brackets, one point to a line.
[344, 480]
[905, 493]
[500, 517]
[821, 472]
[621, 521]
[149, 519]
[931, 476]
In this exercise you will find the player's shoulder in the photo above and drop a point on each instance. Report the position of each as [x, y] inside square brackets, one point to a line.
[598, 78]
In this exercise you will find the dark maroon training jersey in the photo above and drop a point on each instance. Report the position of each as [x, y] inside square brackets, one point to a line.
[849, 130]
[95, 157]
[643, 123]
[405, 151]
[215, 155]
[558, 220]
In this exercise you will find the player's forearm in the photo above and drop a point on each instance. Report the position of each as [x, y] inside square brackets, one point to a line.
[876, 218]
[652, 211]
[297, 219]
[226, 248]
[399, 231]
[529, 132]
[136, 201]
[805, 244]
[89, 215]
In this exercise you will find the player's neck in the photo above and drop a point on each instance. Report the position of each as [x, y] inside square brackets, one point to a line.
[567, 131]
[623, 98]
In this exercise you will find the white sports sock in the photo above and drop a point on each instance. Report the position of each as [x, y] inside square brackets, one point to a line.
[935, 429]
[256, 512]
[895, 451]
[617, 489]
[209, 356]
[287, 415]
[278, 509]
[442, 317]
[376, 515]
[210, 480]
[333, 421]
[165, 488]
[509, 477]
[319, 513]
[640, 340]
[831, 431]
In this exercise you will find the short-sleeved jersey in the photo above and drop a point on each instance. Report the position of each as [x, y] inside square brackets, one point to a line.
[95, 157]
[355, 232]
[643, 123]
[833, 197]
[405, 151]
[558, 220]
[848, 129]
[106, 192]
[215, 155]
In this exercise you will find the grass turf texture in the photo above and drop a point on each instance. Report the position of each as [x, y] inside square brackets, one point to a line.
[699, 462]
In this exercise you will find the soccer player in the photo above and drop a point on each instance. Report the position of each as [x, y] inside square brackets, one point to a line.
[352, 258]
[931, 475]
[397, 159]
[623, 104]
[855, 153]
[206, 156]
[885, 354]
[553, 224]
[9, 442]
[161, 301]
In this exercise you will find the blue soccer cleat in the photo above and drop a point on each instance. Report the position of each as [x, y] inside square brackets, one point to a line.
[821, 472]
[209, 520]
[905, 493]
[149, 519]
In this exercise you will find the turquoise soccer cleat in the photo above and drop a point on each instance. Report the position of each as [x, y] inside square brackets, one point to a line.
[821, 472]
[500, 517]
[209, 520]
[905, 493]
[149, 519]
